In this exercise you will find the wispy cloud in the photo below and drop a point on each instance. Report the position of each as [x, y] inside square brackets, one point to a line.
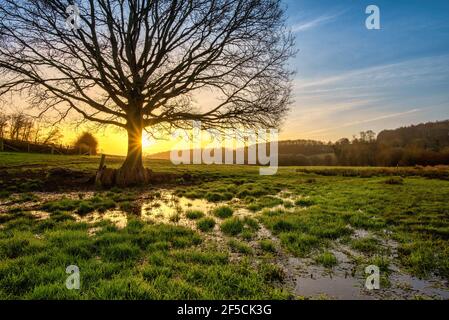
[354, 123]
[321, 20]
[373, 97]
[433, 68]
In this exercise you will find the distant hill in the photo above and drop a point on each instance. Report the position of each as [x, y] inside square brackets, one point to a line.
[432, 135]
[291, 152]
[287, 147]
[423, 144]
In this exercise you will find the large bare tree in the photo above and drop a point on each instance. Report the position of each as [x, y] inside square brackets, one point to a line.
[139, 64]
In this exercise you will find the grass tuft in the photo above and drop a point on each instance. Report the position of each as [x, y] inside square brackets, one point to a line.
[206, 224]
[223, 212]
[194, 214]
[327, 259]
[232, 226]
[240, 247]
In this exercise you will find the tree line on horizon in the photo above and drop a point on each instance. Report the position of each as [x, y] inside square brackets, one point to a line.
[25, 133]
[422, 144]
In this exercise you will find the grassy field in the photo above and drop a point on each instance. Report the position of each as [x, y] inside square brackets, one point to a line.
[237, 246]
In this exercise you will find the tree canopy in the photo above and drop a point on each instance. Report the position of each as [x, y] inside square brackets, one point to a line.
[140, 64]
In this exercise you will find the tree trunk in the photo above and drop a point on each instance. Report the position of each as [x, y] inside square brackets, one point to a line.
[132, 171]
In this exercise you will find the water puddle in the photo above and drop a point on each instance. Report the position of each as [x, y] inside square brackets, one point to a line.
[304, 277]
[117, 217]
[40, 215]
[414, 287]
[333, 286]
[167, 205]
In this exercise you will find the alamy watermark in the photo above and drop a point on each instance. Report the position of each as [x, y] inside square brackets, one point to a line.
[73, 281]
[212, 146]
[373, 280]
[372, 22]
[73, 20]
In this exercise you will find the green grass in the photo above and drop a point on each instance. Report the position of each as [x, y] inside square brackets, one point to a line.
[171, 262]
[366, 245]
[272, 272]
[264, 202]
[304, 202]
[267, 245]
[194, 214]
[232, 226]
[299, 244]
[205, 224]
[240, 247]
[82, 207]
[142, 261]
[326, 259]
[223, 212]
[4, 194]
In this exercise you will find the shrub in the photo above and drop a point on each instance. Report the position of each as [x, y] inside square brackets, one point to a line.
[86, 143]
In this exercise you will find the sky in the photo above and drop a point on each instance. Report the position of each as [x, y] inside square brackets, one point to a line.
[350, 79]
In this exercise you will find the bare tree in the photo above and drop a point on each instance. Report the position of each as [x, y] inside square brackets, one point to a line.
[4, 119]
[139, 64]
[18, 122]
[28, 129]
[51, 136]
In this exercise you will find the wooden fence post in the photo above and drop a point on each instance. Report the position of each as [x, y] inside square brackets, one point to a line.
[102, 160]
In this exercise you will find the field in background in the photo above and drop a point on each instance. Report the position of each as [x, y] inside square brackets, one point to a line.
[225, 233]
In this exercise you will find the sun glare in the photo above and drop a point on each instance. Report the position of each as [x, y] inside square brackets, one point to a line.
[147, 141]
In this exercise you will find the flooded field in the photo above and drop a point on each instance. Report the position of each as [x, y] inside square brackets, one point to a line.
[302, 276]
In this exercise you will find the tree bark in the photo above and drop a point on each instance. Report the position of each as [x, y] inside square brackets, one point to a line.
[132, 171]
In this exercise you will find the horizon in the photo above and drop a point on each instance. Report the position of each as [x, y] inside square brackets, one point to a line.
[146, 154]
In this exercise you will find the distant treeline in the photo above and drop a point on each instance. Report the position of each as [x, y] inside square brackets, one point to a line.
[423, 144]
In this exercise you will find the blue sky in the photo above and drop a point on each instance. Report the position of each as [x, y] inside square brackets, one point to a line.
[350, 78]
